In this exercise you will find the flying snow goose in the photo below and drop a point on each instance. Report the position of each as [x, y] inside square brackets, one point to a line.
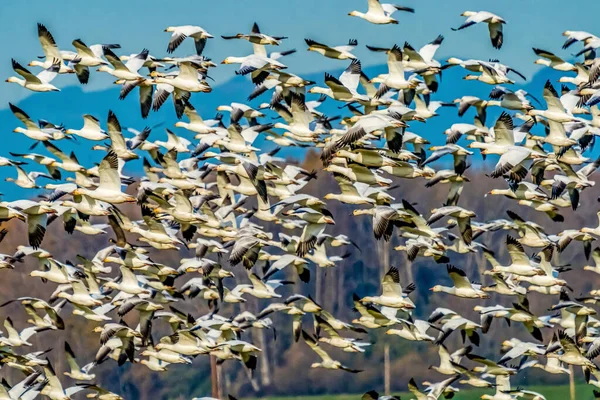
[188, 79]
[391, 292]
[336, 52]
[39, 82]
[326, 361]
[493, 21]
[109, 189]
[77, 373]
[51, 52]
[180, 33]
[395, 79]
[551, 60]
[91, 129]
[86, 57]
[378, 13]
[462, 286]
[127, 71]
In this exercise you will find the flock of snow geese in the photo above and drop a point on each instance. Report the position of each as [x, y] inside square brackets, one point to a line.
[192, 196]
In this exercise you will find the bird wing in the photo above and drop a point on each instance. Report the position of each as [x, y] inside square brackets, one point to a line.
[375, 8]
[82, 49]
[48, 43]
[516, 251]
[23, 117]
[71, 360]
[113, 59]
[114, 132]
[390, 283]
[109, 172]
[459, 277]
[503, 130]
[350, 78]
[29, 77]
[310, 341]
[136, 62]
[552, 99]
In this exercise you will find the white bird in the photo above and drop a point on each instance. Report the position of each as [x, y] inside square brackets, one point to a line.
[493, 21]
[378, 13]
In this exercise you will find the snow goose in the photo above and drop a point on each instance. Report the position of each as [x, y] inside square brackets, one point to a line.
[551, 60]
[87, 56]
[91, 129]
[27, 180]
[180, 33]
[412, 330]
[128, 71]
[326, 361]
[31, 130]
[15, 338]
[187, 80]
[67, 162]
[392, 295]
[448, 361]
[51, 52]
[348, 345]
[395, 78]
[196, 123]
[493, 21]
[371, 317]
[54, 389]
[77, 373]
[256, 37]
[462, 216]
[109, 189]
[462, 286]
[434, 391]
[556, 110]
[490, 75]
[365, 125]
[378, 13]
[254, 64]
[39, 82]
[458, 153]
[344, 88]
[337, 52]
[577, 36]
[520, 263]
[512, 161]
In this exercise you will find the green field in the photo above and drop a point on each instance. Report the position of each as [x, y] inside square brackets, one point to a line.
[583, 392]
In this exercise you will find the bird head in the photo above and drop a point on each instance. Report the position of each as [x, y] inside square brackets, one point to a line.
[436, 288]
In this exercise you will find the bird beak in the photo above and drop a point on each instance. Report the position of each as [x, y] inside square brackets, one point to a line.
[431, 289]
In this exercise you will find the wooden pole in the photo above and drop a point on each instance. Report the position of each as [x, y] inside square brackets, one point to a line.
[386, 369]
[214, 377]
[572, 382]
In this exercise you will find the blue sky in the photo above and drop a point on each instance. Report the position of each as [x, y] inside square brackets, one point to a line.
[140, 23]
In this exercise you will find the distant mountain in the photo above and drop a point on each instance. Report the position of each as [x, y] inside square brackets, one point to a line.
[68, 105]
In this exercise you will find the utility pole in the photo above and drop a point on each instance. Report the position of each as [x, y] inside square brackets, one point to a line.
[214, 377]
[386, 369]
[572, 382]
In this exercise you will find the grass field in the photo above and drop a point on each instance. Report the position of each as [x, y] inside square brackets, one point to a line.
[583, 392]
